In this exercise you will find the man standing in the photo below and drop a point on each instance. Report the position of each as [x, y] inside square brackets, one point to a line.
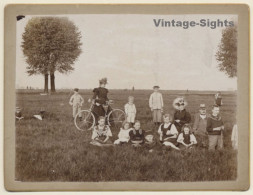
[199, 126]
[156, 105]
[214, 128]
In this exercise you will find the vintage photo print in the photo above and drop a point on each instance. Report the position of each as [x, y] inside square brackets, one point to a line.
[126, 97]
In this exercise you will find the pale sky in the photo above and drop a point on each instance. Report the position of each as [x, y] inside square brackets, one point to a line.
[130, 50]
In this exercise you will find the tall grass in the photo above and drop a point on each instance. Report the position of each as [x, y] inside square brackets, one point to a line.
[54, 150]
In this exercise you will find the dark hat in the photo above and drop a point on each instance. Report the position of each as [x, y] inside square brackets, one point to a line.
[156, 87]
[76, 89]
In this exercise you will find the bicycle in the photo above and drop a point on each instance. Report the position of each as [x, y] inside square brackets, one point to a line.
[85, 119]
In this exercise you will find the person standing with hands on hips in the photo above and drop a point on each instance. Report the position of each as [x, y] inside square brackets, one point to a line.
[76, 101]
[156, 105]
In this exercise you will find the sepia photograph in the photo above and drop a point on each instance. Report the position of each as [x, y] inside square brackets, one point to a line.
[126, 97]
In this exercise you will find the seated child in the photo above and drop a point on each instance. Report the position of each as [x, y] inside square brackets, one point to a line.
[123, 133]
[168, 132]
[150, 143]
[186, 139]
[137, 134]
[101, 133]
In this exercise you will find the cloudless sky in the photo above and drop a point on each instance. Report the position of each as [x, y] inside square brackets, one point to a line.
[131, 51]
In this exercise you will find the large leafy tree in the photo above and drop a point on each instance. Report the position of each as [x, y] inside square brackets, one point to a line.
[50, 44]
[227, 52]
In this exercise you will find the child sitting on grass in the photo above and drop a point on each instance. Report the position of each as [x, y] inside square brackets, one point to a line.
[186, 139]
[168, 132]
[137, 134]
[123, 134]
[101, 133]
[150, 143]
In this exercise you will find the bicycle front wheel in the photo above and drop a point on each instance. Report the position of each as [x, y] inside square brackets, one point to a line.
[84, 120]
[116, 117]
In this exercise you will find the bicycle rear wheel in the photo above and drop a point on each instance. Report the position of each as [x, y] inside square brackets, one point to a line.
[116, 117]
[84, 120]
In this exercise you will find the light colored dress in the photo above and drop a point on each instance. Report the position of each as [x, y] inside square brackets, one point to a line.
[123, 136]
[130, 111]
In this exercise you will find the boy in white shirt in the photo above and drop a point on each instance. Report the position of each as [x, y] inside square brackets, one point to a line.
[130, 110]
[156, 105]
[76, 101]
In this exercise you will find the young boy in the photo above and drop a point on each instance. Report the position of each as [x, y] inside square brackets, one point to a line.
[168, 132]
[199, 126]
[130, 110]
[150, 143]
[137, 136]
[101, 133]
[156, 105]
[76, 101]
[214, 129]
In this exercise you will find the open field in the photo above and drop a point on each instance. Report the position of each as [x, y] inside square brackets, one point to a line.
[54, 150]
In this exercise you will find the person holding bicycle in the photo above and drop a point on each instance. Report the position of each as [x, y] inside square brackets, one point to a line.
[100, 100]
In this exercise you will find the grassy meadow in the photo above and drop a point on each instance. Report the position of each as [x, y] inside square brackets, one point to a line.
[54, 150]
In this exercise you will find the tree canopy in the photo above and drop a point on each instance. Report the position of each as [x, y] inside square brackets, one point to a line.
[227, 52]
[51, 44]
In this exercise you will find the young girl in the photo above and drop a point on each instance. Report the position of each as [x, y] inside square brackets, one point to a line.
[123, 134]
[101, 133]
[186, 138]
[130, 110]
[137, 136]
[168, 132]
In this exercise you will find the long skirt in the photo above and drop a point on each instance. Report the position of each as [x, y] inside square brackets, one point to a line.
[100, 111]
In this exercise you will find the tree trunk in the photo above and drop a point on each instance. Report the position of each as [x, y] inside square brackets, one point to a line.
[46, 83]
[52, 82]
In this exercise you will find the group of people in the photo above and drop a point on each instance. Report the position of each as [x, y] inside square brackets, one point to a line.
[174, 131]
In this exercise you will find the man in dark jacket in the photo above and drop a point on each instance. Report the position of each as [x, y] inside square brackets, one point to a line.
[214, 128]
